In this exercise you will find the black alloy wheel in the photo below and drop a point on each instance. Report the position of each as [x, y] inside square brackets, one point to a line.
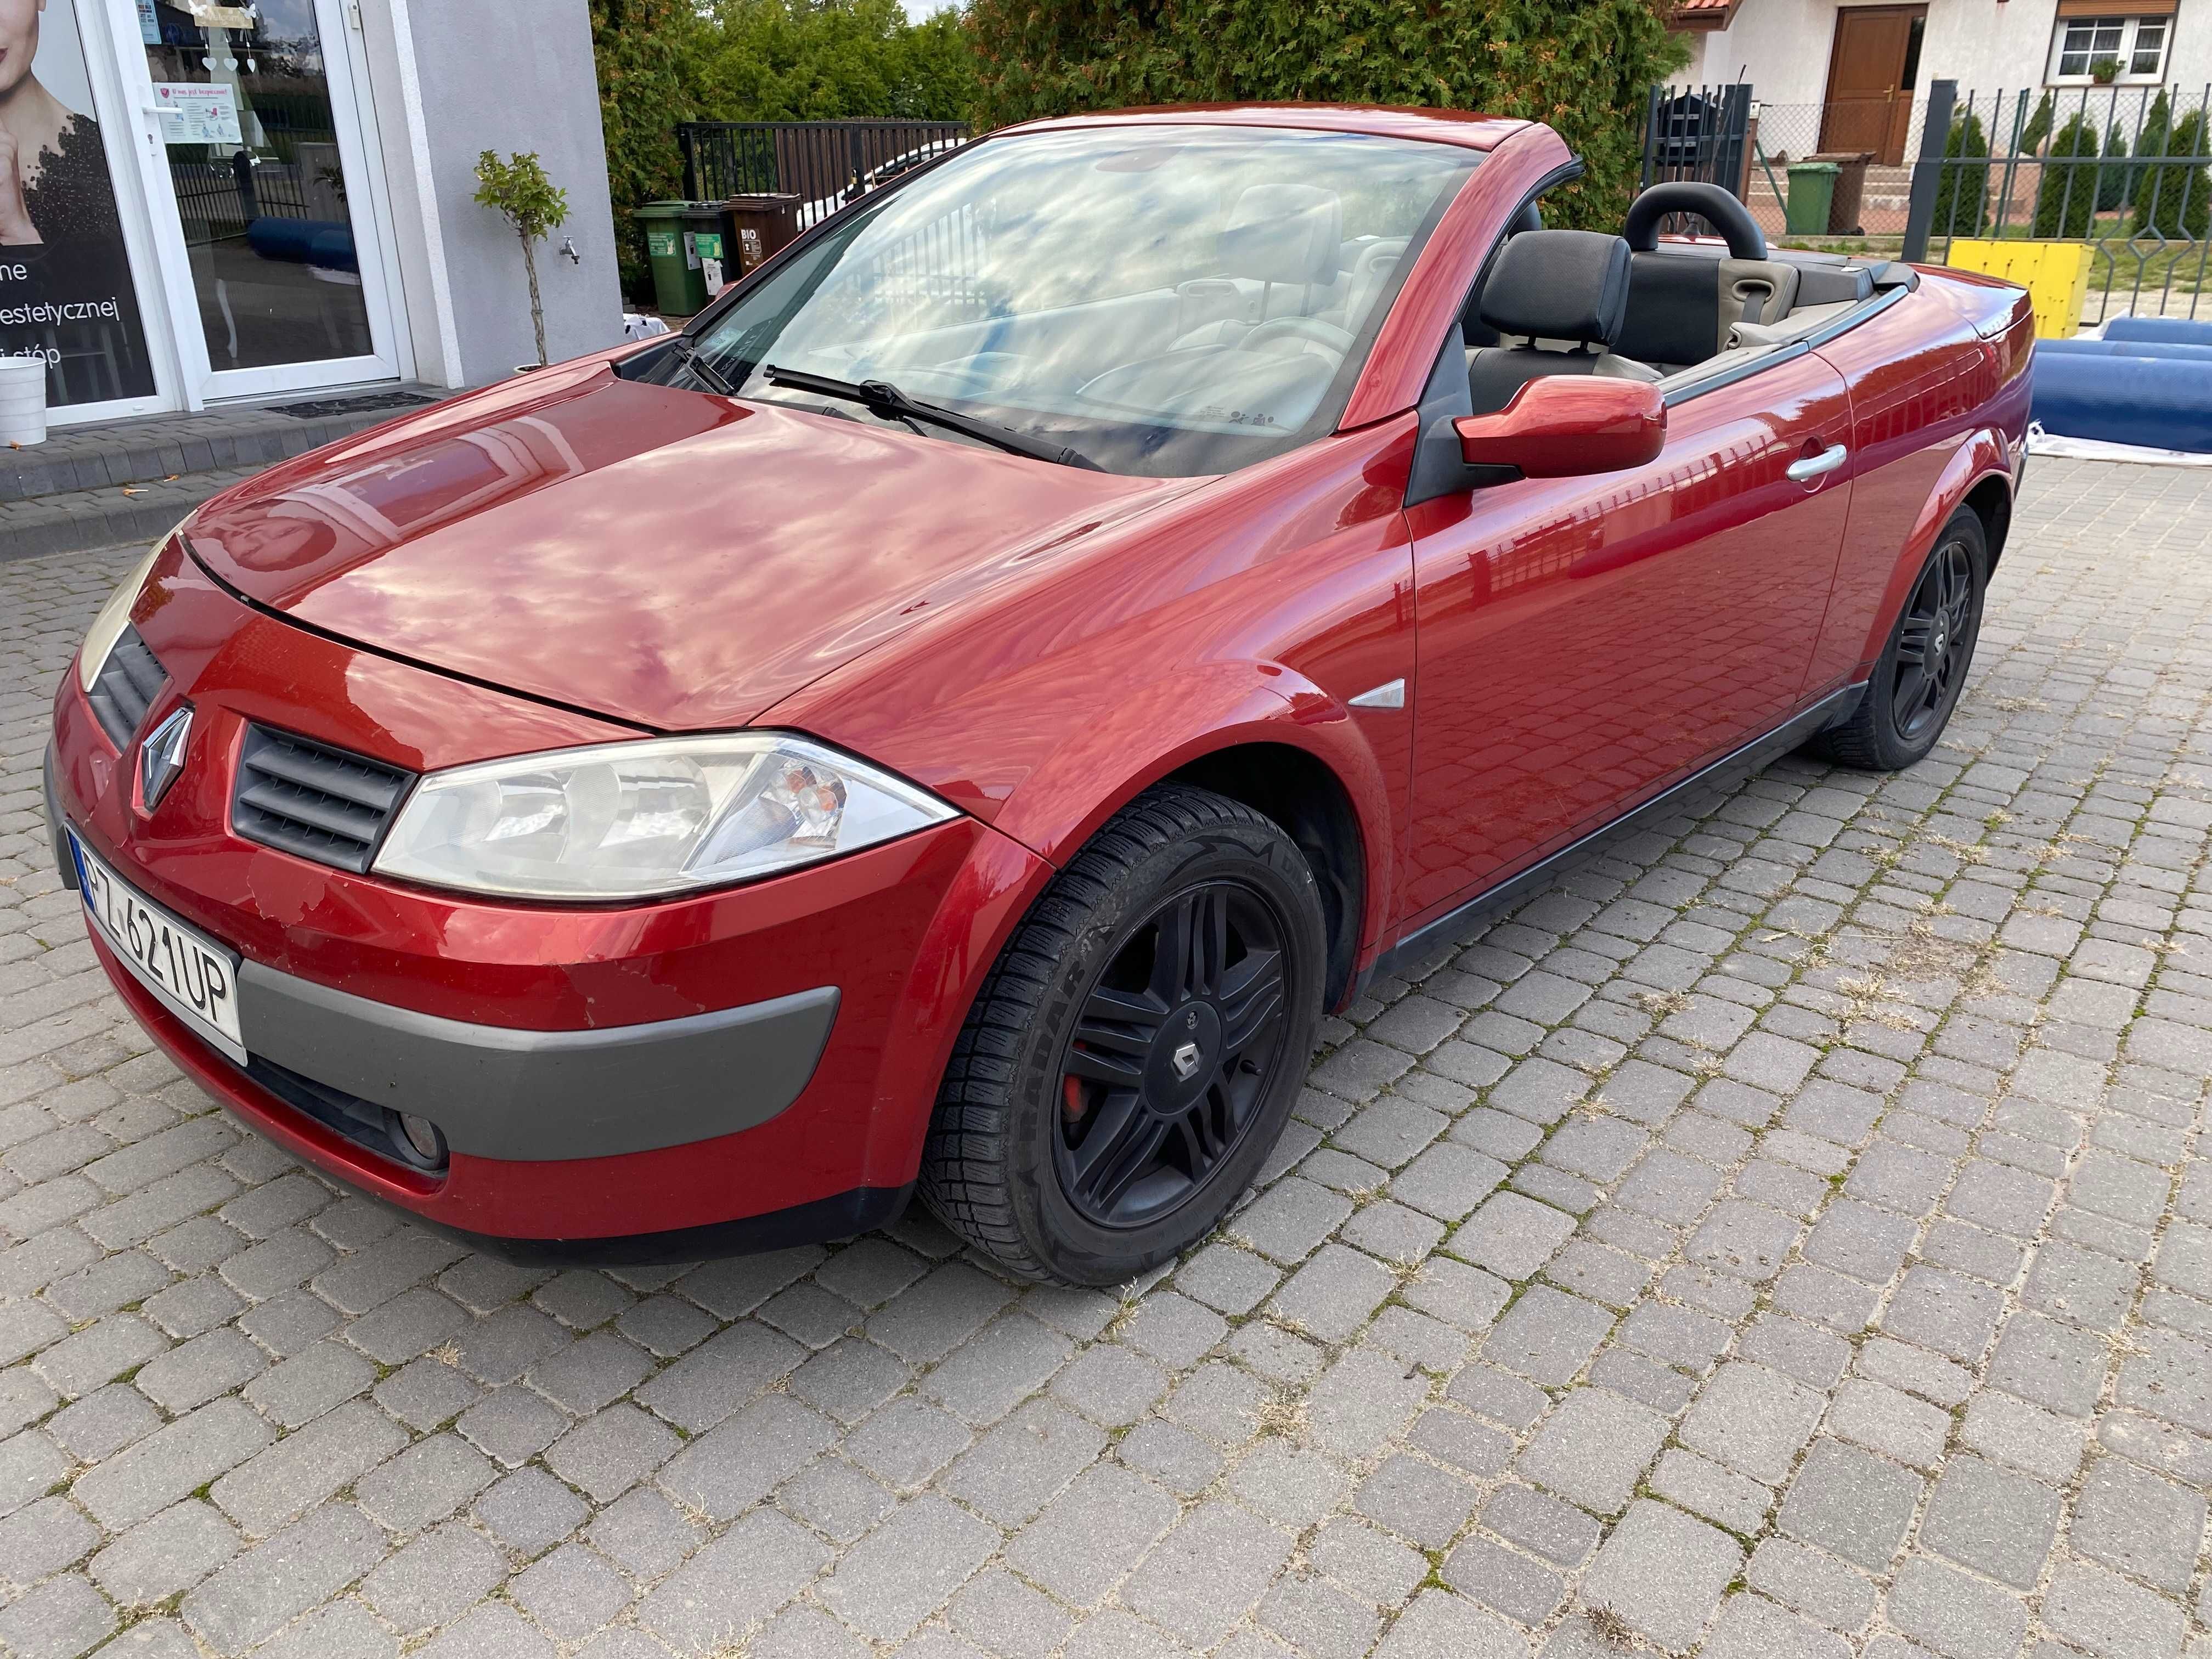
[1922, 672]
[1172, 1054]
[1134, 1052]
[1934, 643]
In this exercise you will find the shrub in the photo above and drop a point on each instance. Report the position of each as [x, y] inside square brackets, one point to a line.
[2115, 185]
[2038, 128]
[791, 60]
[1584, 66]
[2175, 199]
[1962, 195]
[2066, 200]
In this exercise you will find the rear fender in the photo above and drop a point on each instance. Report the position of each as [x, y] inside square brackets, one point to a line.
[1982, 456]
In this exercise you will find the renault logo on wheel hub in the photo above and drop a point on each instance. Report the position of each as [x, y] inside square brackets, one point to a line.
[1186, 1062]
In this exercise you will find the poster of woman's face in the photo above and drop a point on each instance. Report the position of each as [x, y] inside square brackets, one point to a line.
[65, 285]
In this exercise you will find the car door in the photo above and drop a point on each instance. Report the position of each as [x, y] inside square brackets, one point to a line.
[1585, 643]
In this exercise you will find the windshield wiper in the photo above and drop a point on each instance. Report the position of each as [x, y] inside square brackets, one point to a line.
[694, 360]
[883, 398]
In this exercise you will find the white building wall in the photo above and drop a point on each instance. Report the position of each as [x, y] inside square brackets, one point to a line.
[450, 78]
[1781, 46]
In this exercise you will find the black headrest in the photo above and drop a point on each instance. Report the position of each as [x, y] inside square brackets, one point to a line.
[1559, 285]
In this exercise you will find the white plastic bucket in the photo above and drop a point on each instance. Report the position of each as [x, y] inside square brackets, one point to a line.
[23, 400]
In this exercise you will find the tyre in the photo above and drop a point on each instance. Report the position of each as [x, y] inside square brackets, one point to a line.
[1133, 1055]
[1916, 684]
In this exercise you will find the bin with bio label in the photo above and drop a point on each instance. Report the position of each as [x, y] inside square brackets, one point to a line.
[757, 228]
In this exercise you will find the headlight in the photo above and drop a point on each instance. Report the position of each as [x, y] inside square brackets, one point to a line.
[114, 617]
[630, 820]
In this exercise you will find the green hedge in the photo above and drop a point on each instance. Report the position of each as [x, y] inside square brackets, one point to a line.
[661, 62]
[1584, 66]
[644, 49]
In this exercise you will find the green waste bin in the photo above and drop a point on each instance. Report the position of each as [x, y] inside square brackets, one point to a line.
[702, 228]
[672, 230]
[1812, 189]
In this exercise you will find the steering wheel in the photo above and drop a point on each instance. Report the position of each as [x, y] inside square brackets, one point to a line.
[1304, 328]
[1708, 201]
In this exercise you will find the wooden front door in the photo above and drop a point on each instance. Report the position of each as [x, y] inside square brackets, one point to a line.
[1871, 72]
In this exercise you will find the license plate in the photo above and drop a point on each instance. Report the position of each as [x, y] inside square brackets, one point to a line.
[194, 976]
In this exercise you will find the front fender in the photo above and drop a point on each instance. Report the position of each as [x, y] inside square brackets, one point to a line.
[1981, 455]
[1185, 717]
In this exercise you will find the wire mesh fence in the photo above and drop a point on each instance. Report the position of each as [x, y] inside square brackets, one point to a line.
[1872, 190]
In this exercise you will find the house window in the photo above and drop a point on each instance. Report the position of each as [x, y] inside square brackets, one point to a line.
[2137, 44]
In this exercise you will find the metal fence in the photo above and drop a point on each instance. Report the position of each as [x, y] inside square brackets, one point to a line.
[2127, 171]
[817, 162]
[1698, 133]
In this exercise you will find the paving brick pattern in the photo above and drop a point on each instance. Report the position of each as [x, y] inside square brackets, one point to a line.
[1784, 1237]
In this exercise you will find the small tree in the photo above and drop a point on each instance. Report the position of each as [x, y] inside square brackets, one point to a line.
[2115, 184]
[2038, 128]
[518, 190]
[2066, 200]
[1962, 195]
[2174, 199]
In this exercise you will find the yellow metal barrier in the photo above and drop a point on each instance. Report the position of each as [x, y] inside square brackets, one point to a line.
[2055, 274]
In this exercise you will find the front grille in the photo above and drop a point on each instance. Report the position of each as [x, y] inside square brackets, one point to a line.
[125, 688]
[308, 799]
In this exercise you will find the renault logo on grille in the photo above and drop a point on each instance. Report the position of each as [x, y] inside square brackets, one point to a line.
[162, 756]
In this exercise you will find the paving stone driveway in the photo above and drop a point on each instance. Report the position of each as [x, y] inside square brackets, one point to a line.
[1784, 1236]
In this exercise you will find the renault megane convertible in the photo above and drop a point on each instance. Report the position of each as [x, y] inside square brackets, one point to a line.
[951, 721]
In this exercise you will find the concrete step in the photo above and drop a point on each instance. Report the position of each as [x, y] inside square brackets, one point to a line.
[75, 521]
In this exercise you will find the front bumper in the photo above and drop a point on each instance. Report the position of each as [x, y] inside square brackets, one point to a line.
[759, 1062]
[497, 1092]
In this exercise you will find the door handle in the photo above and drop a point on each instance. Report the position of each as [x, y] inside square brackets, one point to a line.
[1815, 466]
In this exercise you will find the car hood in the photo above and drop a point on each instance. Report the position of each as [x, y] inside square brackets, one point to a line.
[678, 560]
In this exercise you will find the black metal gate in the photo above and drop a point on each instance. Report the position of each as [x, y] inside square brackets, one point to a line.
[816, 161]
[1698, 133]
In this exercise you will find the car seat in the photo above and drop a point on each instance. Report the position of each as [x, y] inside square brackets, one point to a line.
[1684, 300]
[1563, 292]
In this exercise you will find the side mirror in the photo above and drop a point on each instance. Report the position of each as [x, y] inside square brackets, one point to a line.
[1562, 426]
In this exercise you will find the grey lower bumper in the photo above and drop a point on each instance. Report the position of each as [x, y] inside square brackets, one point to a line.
[499, 1092]
[63, 861]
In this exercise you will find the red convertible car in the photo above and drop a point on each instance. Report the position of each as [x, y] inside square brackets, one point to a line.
[951, 720]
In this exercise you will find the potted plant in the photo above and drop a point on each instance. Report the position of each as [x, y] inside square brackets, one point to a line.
[2104, 70]
[518, 191]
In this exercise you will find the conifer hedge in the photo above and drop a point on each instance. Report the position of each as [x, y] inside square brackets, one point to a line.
[1583, 66]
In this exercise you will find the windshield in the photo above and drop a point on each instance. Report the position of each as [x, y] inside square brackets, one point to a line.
[1170, 300]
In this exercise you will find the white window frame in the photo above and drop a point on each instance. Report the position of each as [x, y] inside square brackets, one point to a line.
[2130, 28]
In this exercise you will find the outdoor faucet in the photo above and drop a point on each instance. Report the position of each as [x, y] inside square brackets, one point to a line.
[569, 248]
